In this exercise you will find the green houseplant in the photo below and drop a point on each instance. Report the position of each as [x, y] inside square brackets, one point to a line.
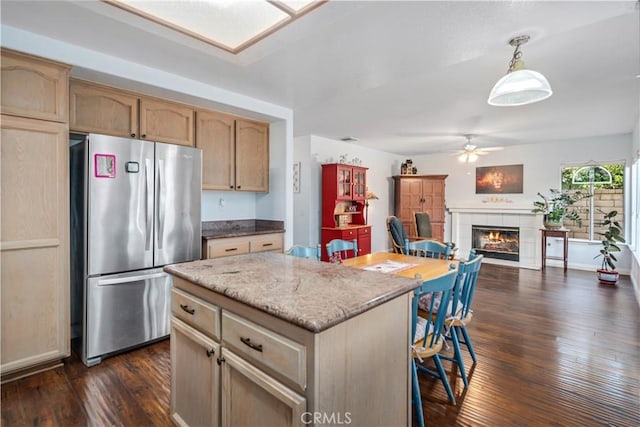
[610, 238]
[556, 207]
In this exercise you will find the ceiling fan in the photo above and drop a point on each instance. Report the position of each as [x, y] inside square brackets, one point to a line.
[470, 151]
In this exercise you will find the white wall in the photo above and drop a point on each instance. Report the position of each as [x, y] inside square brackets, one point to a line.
[542, 166]
[635, 210]
[312, 151]
[101, 68]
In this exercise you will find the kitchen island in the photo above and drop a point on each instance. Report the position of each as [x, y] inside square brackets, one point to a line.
[270, 339]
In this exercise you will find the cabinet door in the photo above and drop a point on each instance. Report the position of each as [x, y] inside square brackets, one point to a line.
[364, 241]
[35, 244]
[344, 182]
[99, 109]
[215, 136]
[433, 196]
[33, 87]
[359, 184]
[252, 156]
[410, 201]
[195, 377]
[251, 398]
[165, 121]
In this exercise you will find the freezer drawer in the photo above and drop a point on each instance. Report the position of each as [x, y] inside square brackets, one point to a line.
[124, 310]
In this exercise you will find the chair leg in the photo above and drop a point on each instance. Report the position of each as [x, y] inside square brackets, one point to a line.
[467, 342]
[417, 398]
[458, 356]
[443, 378]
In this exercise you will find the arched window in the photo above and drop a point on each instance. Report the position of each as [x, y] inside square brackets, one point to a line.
[606, 183]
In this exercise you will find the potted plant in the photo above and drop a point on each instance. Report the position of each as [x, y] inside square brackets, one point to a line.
[612, 235]
[556, 207]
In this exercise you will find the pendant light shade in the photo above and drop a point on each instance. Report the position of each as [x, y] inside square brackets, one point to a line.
[520, 86]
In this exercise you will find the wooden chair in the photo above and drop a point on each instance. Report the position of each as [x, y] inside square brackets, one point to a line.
[343, 247]
[427, 333]
[397, 234]
[305, 251]
[427, 248]
[422, 224]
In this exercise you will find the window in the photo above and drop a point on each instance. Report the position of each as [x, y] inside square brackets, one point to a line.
[606, 183]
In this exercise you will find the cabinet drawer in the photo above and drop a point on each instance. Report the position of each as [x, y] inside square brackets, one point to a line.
[199, 314]
[267, 347]
[226, 247]
[349, 234]
[364, 231]
[267, 242]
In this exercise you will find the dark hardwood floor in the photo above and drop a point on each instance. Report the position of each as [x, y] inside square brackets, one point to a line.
[553, 350]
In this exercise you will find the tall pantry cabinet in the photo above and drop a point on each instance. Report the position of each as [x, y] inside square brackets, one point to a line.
[34, 204]
[420, 193]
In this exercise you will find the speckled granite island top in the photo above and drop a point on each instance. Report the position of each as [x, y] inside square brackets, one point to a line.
[311, 294]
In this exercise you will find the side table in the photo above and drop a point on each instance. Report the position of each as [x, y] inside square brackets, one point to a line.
[561, 232]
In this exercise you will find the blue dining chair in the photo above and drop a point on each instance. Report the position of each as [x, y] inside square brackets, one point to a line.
[427, 248]
[305, 251]
[427, 333]
[459, 312]
[343, 247]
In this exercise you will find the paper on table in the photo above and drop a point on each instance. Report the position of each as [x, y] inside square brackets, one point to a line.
[389, 266]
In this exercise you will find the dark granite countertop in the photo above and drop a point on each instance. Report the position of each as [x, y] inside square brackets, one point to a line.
[242, 227]
[311, 294]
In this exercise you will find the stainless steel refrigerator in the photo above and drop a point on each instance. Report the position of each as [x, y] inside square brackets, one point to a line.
[135, 207]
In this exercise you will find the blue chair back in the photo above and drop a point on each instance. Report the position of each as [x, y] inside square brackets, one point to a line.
[397, 235]
[438, 291]
[344, 247]
[465, 288]
[305, 251]
[427, 248]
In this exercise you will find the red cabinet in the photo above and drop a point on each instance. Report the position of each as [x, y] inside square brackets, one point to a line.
[344, 189]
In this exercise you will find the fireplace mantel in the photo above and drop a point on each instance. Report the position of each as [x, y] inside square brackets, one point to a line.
[513, 208]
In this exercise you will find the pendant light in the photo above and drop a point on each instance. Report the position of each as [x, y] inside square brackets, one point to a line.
[520, 86]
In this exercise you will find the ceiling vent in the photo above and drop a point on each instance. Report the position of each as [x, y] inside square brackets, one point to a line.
[349, 139]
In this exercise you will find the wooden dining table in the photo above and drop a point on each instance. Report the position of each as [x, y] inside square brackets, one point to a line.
[414, 267]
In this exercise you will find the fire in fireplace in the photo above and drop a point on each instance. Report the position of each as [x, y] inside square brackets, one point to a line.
[496, 242]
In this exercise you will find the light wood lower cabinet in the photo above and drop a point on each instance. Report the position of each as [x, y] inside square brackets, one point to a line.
[273, 373]
[252, 398]
[216, 248]
[195, 376]
[35, 243]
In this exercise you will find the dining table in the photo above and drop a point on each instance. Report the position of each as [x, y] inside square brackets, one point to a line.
[414, 267]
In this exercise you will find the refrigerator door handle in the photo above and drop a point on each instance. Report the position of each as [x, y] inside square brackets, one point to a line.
[161, 203]
[149, 202]
[129, 279]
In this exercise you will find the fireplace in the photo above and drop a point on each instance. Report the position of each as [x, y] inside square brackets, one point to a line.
[498, 242]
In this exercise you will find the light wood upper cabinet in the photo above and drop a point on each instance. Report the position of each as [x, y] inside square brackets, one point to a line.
[35, 243]
[99, 109]
[252, 156]
[166, 121]
[215, 135]
[33, 87]
[235, 152]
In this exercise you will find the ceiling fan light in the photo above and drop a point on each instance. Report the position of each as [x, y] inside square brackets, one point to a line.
[520, 87]
[472, 157]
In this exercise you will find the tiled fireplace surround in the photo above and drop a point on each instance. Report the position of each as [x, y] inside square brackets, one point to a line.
[464, 215]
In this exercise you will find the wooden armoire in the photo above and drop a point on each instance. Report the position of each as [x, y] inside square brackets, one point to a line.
[420, 193]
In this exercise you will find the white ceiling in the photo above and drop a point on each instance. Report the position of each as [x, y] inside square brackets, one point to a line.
[408, 77]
